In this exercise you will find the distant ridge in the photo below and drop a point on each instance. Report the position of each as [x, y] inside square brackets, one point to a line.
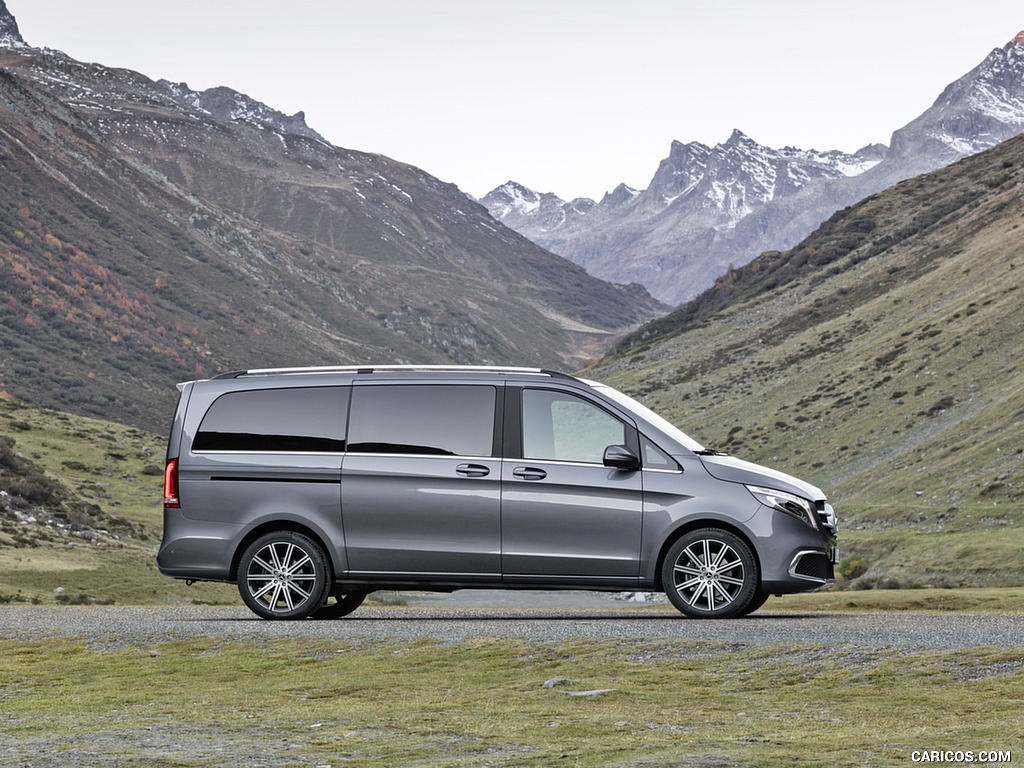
[229, 104]
[709, 208]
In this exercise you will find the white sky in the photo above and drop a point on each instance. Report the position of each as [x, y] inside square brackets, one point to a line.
[564, 96]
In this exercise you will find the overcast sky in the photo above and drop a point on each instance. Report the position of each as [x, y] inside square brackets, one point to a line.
[564, 96]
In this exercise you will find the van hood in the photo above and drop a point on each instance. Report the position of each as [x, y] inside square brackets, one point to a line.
[734, 470]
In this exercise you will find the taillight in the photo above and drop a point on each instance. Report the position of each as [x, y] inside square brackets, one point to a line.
[171, 485]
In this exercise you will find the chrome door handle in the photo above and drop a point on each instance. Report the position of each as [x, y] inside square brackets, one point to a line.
[529, 473]
[473, 470]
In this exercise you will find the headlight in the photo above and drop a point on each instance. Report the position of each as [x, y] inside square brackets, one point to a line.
[786, 502]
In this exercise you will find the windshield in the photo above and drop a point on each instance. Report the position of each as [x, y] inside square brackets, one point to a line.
[646, 413]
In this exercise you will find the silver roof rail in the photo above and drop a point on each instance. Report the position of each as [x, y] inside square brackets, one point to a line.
[367, 369]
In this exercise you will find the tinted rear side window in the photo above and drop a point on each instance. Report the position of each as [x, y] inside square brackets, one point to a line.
[310, 419]
[441, 420]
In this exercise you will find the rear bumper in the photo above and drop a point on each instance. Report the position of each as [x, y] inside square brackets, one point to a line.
[196, 550]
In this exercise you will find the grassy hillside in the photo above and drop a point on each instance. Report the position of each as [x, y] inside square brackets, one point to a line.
[880, 359]
[81, 513]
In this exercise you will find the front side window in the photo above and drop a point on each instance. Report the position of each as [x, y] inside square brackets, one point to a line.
[562, 427]
[424, 419]
[308, 419]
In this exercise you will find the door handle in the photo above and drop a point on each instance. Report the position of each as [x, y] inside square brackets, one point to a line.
[473, 470]
[529, 473]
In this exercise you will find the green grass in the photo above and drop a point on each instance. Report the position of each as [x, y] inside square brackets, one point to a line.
[1000, 601]
[120, 468]
[483, 703]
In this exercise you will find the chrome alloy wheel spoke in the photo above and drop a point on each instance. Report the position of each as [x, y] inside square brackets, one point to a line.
[701, 588]
[268, 567]
[730, 580]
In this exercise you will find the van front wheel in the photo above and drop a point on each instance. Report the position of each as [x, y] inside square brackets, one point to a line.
[710, 574]
[283, 575]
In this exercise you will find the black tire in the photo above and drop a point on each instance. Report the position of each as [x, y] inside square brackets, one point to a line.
[759, 599]
[710, 574]
[284, 575]
[343, 605]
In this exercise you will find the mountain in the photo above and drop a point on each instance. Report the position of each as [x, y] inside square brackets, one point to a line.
[708, 208]
[10, 35]
[150, 233]
[659, 236]
[981, 109]
[881, 359]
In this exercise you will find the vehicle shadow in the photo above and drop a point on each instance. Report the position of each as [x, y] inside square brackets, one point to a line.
[413, 616]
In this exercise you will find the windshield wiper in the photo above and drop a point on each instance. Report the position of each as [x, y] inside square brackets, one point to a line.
[709, 452]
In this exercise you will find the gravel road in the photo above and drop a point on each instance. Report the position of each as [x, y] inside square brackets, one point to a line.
[448, 620]
[533, 617]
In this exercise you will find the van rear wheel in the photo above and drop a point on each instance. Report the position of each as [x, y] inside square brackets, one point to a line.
[283, 575]
[710, 574]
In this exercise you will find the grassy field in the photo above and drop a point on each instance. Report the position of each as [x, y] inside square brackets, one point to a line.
[236, 703]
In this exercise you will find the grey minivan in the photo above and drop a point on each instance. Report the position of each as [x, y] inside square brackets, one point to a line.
[312, 487]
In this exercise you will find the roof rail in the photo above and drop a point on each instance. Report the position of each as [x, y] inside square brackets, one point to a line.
[366, 369]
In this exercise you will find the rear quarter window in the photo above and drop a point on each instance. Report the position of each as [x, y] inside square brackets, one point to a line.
[307, 419]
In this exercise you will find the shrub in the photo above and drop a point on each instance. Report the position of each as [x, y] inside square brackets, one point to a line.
[8, 456]
[850, 568]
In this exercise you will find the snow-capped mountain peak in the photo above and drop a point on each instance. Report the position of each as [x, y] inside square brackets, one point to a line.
[974, 113]
[621, 195]
[513, 202]
[713, 187]
[513, 198]
[997, 92]
[10, 35]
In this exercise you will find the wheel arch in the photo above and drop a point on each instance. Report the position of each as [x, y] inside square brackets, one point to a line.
[697, 524]
[271, 526]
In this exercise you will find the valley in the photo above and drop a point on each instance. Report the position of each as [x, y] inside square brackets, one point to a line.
[151, 234]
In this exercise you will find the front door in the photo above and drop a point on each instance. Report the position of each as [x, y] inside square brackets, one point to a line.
[563, 513]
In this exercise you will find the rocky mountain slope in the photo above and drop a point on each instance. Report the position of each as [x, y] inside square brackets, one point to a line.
[711, 207]
[881, 358]
[150, 233]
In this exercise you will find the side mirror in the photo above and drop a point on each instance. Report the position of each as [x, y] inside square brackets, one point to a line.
[620, 457]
